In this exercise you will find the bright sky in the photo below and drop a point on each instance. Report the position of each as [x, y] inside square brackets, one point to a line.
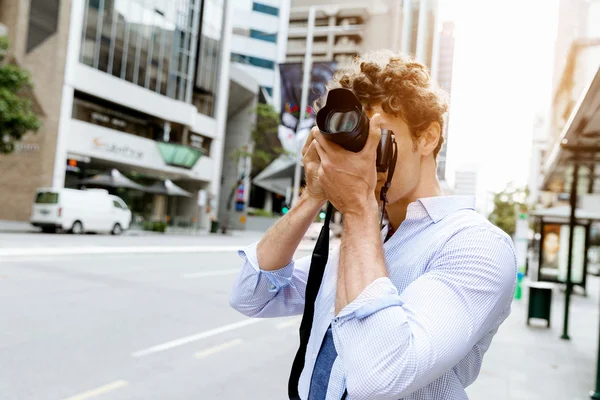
[502, 79]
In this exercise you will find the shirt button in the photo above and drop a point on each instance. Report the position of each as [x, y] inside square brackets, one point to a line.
[272, 287]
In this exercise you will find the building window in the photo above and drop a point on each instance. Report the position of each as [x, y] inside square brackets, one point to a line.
[263, 8]
[43, 21]
[151, 43]
[209, 57]
[257, 62]
[267, 37]
[123, 119]
[269, 90]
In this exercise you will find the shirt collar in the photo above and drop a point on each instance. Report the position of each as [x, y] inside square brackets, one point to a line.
[439, 207]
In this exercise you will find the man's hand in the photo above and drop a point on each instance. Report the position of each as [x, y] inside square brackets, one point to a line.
[311, 161]
[348, 179]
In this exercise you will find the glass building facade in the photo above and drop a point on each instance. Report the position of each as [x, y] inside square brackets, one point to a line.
[151, 43]
[206, 84]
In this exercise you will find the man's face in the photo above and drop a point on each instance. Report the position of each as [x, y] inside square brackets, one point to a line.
[408, 166]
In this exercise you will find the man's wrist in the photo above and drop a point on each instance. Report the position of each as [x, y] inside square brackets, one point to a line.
[312, 201]
[366, 209]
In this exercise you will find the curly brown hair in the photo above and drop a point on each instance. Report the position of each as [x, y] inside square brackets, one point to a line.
[400, 85]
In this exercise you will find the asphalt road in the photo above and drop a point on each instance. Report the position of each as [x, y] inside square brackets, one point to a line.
[134, 326]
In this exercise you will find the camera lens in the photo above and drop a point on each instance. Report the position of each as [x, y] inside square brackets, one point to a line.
[343, 121]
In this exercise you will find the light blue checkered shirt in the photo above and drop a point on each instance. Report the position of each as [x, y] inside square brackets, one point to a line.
[419, 334]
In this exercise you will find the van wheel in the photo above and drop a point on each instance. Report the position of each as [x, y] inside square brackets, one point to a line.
[116, 230]
[77, 228]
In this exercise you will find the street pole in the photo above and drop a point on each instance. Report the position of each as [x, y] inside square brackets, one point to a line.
[573, 201]
[305, 87]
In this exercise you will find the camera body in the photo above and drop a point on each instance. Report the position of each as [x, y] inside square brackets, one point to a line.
[343, 121]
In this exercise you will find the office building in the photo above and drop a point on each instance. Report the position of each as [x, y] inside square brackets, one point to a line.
[137, 86]
[259, 41]
[577, 57]
[353, 27]
[443, 75]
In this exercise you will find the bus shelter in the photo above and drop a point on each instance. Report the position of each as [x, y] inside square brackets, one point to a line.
[574, 161]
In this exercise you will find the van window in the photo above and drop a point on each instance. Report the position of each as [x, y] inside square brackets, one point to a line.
[46, 198]
[118, 205]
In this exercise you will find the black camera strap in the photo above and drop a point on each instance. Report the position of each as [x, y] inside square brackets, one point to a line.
[313, 283]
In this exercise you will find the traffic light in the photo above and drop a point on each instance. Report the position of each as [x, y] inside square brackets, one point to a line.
[322, 215]
[285, 209]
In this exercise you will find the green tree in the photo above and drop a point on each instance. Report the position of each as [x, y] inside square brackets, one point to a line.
[266, 145]
[265, 148]
[16, 115]
[506, 205]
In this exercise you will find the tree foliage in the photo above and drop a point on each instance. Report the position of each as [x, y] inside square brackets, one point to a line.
[16, 115]
[266, 145]
[506, 205]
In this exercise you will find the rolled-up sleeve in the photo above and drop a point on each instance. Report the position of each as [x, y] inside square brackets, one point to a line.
[393, 344]
[277, 293]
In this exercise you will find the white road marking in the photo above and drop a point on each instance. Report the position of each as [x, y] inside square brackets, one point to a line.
[210, 273]
[100, 250]
[289, 323]
[98, 391]
[218, 348]
[193, 338]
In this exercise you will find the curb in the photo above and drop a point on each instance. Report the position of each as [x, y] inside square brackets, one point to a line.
[105, 250]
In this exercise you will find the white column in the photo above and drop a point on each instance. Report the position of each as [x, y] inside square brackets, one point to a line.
[396, 40]
[222, 103]
[268, 206]
[406, 26]
[305, 86]
[422, 32]
[435, 51]
[282, 38]
[66, 102]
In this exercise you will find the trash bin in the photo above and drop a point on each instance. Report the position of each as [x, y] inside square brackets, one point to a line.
[214, 226]
[540, 301]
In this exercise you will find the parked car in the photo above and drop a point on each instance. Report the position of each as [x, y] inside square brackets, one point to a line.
[79, 211]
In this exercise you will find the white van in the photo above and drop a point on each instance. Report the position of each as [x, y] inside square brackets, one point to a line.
[79, 211]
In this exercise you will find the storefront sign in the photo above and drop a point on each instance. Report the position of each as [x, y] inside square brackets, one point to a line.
[124, 149]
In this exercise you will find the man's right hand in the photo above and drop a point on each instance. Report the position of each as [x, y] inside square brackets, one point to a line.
[311, 161]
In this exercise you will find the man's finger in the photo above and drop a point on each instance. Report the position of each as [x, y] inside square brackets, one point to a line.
[311, 154]
[374, 134]
[324, 144]
[321, 152]
[309, 140]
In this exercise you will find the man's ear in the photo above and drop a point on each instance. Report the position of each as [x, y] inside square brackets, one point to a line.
[430, 138]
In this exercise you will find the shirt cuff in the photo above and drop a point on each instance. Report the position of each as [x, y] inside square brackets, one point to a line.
[378, 295]
[278, 279]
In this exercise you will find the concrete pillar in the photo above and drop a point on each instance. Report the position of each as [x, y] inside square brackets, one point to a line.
[159, 207]
[185, 137]
[406, 26]
[268, 206]
[422, 37]
[331, 38]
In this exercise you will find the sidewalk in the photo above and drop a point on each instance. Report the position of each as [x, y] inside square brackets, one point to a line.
[26, 227]
[531, 363]
[17, 227]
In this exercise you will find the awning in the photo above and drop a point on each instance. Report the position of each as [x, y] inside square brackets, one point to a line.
[579, 141]
[112, 178]
[561, 214]
[278, 176]
[167, 187]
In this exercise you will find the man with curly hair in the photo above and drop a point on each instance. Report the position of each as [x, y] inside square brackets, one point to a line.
[406, 312]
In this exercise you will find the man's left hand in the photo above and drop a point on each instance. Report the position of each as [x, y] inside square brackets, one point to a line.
[347, 178]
